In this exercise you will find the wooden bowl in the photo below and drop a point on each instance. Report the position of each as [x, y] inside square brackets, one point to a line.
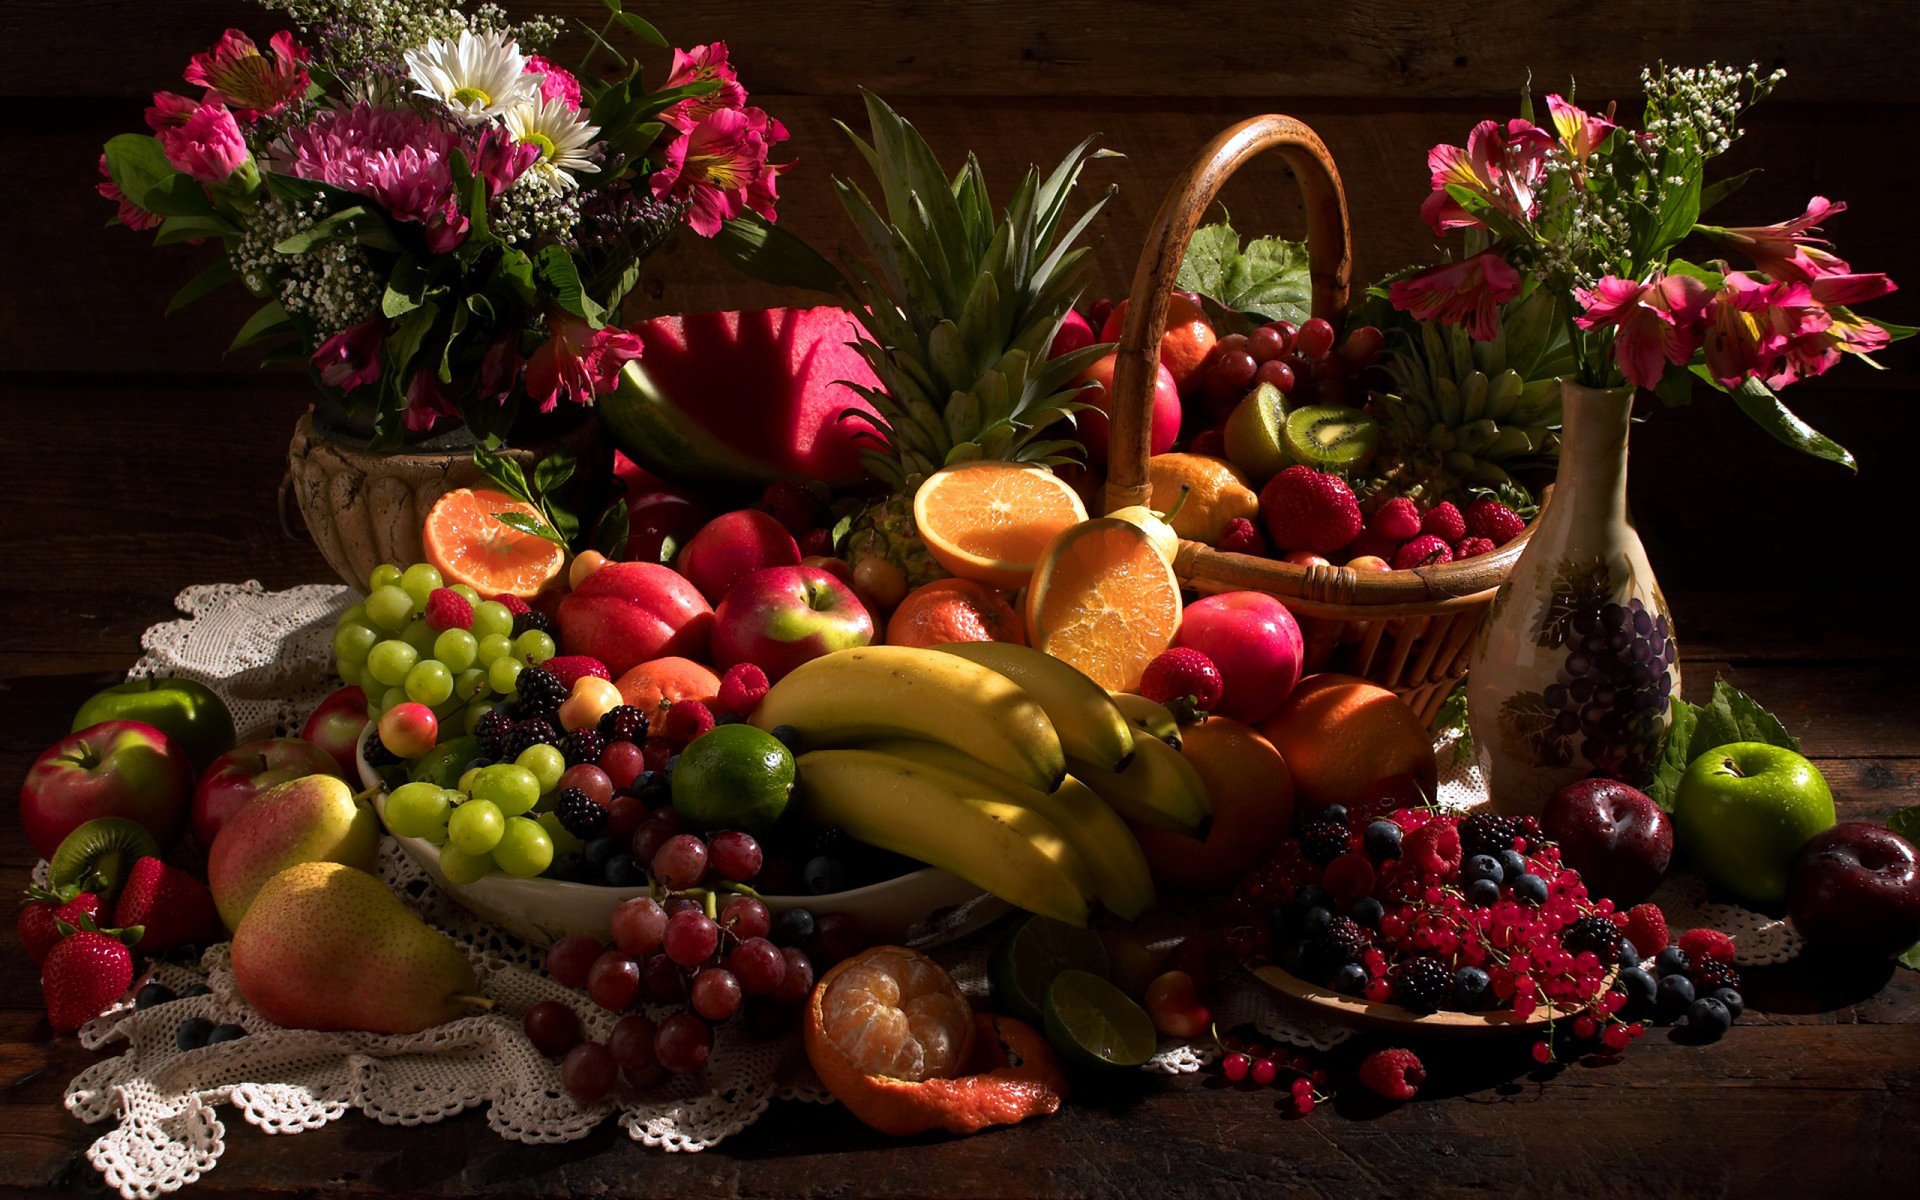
[1391, 1018]
[924, 907]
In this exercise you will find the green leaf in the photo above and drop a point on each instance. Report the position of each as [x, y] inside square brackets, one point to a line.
[504, 472]
[268, 320]
[406, 287]
[610, 534]
[322, 231]
[1733, 716]
[1676, 755]
[553, 471]
[641, 29]
[1674, 220]
[767, 252]
[136, 164]
[1911, 959]
[1757, 400]
[1714, 193]
[1906, 823]
[555, 269]
[1267, 279]
[206, 281]
[532, 525]
[186, 229]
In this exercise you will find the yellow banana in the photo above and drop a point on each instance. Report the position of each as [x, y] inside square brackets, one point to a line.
[1149, 716]
[1158, 788]
[1090, 725]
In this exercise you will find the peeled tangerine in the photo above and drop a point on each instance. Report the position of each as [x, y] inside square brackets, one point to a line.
[892, 1037]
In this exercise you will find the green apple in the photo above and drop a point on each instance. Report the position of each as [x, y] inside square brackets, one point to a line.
[1742, 812]
[184, 709]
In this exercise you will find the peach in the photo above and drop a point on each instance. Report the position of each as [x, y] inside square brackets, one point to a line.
[1092, 422]
[654, 687]
[1255, 642]
[629, 612]
[732, 546]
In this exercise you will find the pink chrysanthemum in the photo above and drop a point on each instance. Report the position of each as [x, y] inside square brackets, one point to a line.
[577, 362]
[394, 157]
[207, 146]
[699, 65]
[131, 215]
[249, 83]
[720, 168]
[556, 82]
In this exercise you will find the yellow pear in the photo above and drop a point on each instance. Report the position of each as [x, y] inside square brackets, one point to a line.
[316, 818]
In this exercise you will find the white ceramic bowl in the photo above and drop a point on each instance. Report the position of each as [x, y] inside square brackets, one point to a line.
[921, 908]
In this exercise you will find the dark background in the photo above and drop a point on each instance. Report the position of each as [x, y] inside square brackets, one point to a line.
[137, 460]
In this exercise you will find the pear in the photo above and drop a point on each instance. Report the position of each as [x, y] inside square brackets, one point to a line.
[316, 818]
[325, 946]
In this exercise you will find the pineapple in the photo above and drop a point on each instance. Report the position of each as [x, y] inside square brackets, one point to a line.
[959, 309]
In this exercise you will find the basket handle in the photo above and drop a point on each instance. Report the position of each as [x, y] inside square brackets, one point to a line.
[1329, 264]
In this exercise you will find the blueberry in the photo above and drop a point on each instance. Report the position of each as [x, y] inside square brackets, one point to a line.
[1483, 866]
[793, 927]
[787, 736]
[1368, 911]
[1293, 958]
[198, 989]
[1350, 979]
[622, 872]
[1470, 986]
[1639, 987]
[152, 994]
[1629, 957]
[1674, 994]
[1671, 961]
[1735, 1004]
[1483, 893]
[729, 719]
[1334, 812]
[192, 1033]
[1311, 895]
[1315, 921]
[673, 760]
[651, 787]
[1513, 864]
[1529, 888]
[570, 866]
[600, 851]
[1382, 840]
[226, 1033]
[1709, 1018]
[823, 875]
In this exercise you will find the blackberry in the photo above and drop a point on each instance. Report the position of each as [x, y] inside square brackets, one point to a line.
[541, 692]
[1710, 977]
[376, 750]
[624, 723]
[492, 731]
[1342, 941]
[1420, 983]
[531, 732]
[582, 746]
[580, 815]
[532, 618]
[1596, 933]
[1488, 833]
[1322, 841]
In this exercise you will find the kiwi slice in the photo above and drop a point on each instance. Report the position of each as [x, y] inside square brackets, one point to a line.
[96, 856]
[1331, 436]
[1252, 434]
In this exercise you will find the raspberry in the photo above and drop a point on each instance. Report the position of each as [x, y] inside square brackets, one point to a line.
[1323, 841]
[1241, 537]
[623, 723]
[1706, 945]
[686, 720]
[1310, 510]
[580, 814]
[816, 543]
[1490, 519]
[1427, 550]
[1397, 519]
[1594, 933]
[1420, 983]
[1487, 833]
[570, 669]
[1473, 547]
[740, 689]
[1433, 848]
[582, 746]
[1182, 673]
[512, 604]
[1444, 521]
[792, 504]
[1647, 929]
[492, 732]
[540, 691]
[448, 609]
[531, 732]
[1393, 1074]
[1710, 977]
[1349, 877]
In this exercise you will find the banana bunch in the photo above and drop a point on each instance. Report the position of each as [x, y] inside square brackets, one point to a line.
[999, 763]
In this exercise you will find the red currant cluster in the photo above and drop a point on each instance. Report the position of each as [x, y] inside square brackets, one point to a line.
[1249, 1060]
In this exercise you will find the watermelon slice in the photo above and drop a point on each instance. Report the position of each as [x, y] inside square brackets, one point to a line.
[744, 397]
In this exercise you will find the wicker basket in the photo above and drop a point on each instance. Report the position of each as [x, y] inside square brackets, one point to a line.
[1411, 631]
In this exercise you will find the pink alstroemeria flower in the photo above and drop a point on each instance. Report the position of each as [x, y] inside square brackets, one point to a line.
[577, 362]
[1469, 292]
[1507, 165]
[1750, 323]
[207, 146]
[719, 166]
[500, 368]
[426, 402]
[352, 357]
[699, 65]
[253, 86]
[555, 80]
[1788, 249]
[169, 110]
[1654, 321]
[130, 214]
[1581, 132]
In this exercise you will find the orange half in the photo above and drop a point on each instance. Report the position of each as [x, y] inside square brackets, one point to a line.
[990, 521]
[469, 544]
[1104, 600]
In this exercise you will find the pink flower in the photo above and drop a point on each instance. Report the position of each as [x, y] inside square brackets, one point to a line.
[207, 146]
[1505, 166]
[237, 75]
[578, 362]
[395, 157]
[700, 65]
[500, 160]
[1787, 250]
[1818, 350]
[131, 215]
[169, 110]
[720, 167]
[1580, 132]
[1660, 319]
[426, 402]
[352, 357]
[1468, 293]
[1751, 322]
[555, 80]
[500, 368]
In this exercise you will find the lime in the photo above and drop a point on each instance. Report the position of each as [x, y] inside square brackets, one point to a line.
[733, 777]
[1252, 434]
[445, 763]
[1024, 963]
[1331, 436]
[1093, 1023]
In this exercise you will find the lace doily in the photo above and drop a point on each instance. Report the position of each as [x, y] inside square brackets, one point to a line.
[269, 654]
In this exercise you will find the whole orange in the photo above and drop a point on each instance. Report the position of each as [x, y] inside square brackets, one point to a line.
[954, 610]
[1341, 734]
[1186, 343]
[654, 686]
[1252, 797]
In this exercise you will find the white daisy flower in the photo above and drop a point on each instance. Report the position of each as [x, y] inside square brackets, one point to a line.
[477, 77]
[563, 135]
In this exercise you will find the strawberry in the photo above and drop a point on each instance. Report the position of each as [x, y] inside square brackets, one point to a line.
[174, 908]
[1490, 519]
[570, 669]
[1182, 676]
[39, 913]
[1311, 510]
[85, 972]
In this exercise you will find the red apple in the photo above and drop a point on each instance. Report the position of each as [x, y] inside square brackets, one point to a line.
[249, 769]
[1614, 835]
[732, 546]
[113, 769]
[842, 570]
[1075, 334]
[1257, 645]
[1092, 422]
[780, 617]
[1856, 888]
[627, 613]
[335, 727]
